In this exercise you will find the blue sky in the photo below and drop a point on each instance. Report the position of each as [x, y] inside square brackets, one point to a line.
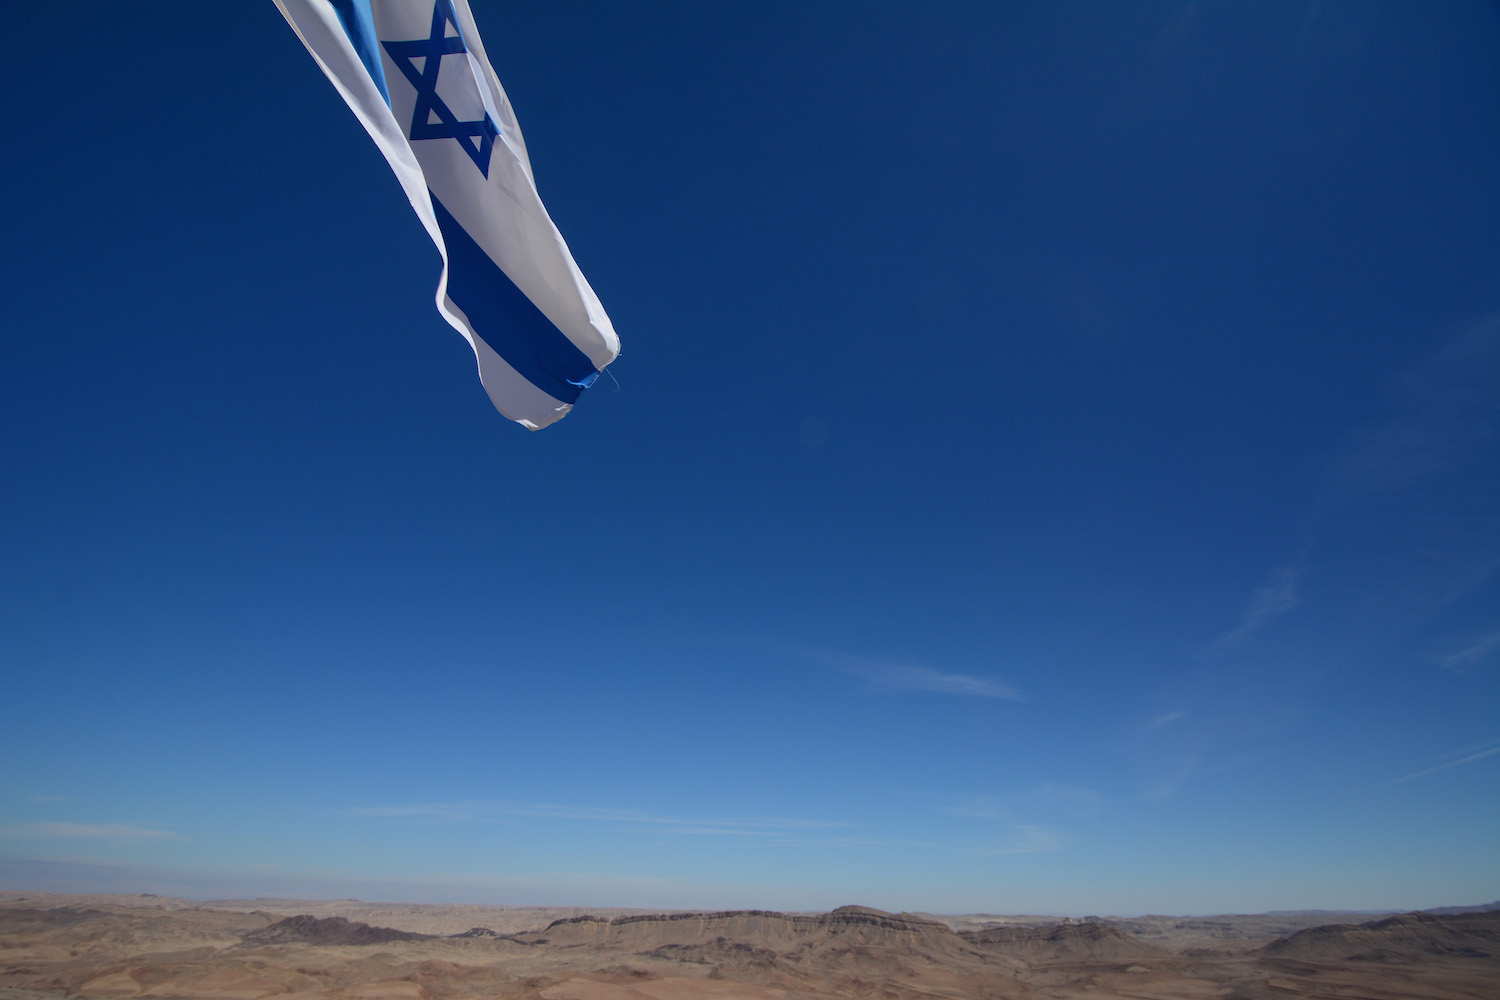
[1052, 467]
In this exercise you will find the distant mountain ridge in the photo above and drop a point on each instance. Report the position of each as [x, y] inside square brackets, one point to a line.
[1448, 910]
[140, 948]
[769, 936]
[848, 935]
[1406, 937]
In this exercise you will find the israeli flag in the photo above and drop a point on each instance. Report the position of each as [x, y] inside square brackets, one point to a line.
[415, 74]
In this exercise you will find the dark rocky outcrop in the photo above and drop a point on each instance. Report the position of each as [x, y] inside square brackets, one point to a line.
[327, 931]
[764, 927]
[1068, 942]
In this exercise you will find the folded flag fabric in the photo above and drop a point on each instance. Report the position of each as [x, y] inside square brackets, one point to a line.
[416, 76]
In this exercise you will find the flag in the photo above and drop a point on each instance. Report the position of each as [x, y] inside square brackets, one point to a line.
[416, 76]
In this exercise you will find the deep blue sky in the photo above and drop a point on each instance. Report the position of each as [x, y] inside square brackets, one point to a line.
[1053, 467]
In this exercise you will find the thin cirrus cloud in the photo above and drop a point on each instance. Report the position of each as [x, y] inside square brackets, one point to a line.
[1164, 719]
[1026, 840]
[1048, 797]
[1427, 473]
[1270, 601]
[910, 677]
[1473, 653]
[45, 830]
[1435, 455]
[1466, 757]
[1443, 424]
[492, 810]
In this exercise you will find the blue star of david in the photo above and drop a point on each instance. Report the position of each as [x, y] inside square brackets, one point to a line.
[477, 137]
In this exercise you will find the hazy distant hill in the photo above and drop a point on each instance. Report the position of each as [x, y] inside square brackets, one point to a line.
[1481, 908]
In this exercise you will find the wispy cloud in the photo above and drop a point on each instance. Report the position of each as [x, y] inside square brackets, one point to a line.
[1442, 423]
[1473, 652]
[1466, 757]
[911, 677]
[1048, 799]
[781, 830]
[865, 843]
[1024, 821]
[1416, 492]
[501, 811]
[1164, 719]
[1278, 596]
[1026, 840]
[980, 807]
[102, 831]
[1412, 493]
[1174, 777]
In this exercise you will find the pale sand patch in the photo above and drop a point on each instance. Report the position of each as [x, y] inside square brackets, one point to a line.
[669, 988]
[390, 989]
[116, 984]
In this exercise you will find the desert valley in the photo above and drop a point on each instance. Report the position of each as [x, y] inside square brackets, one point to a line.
[56, 946]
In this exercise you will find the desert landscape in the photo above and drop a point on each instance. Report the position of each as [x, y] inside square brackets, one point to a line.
[57, 946]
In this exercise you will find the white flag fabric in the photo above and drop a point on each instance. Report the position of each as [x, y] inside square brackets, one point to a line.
[416, 75]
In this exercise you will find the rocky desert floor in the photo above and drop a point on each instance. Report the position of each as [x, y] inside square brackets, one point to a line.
[55, 946]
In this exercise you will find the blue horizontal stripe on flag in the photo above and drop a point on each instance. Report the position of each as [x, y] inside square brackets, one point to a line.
[507, 320]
